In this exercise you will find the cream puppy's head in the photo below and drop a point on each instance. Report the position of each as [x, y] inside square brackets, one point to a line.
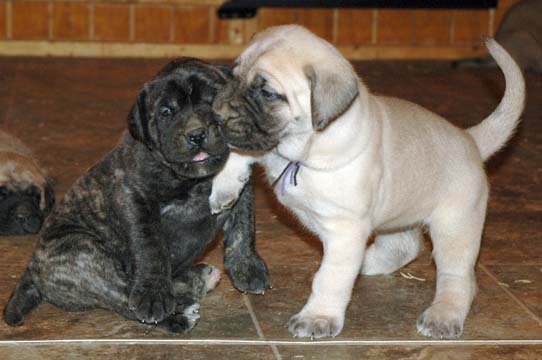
[288, 84]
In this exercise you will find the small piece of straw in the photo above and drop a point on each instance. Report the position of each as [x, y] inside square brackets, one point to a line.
[409, 276]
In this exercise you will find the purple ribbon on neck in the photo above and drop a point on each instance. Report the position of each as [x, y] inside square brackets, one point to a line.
[289, 173]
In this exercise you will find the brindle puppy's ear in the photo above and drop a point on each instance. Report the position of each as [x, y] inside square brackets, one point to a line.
[332, 92]
[138, 119]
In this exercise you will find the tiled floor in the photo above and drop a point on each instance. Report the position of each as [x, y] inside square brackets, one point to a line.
[73, 111]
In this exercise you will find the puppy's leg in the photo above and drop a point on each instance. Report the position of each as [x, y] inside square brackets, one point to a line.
[323, 315]
[189, 287]
[246, 268]
[390, 252]
[22, 301]
[76, 273]
[73, 273]
[229, 182]
[456, 232]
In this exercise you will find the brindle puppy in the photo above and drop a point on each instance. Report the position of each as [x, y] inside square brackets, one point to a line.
[26, 195]
[127, 233]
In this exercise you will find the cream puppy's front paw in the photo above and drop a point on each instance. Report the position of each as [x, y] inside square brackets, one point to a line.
[225, 195]
[441, 321]
[315, 326]
[230, 182]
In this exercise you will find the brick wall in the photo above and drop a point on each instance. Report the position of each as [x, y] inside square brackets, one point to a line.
[165, 28]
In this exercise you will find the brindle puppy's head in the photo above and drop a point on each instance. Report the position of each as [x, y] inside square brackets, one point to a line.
[288, 85]
[21, 209]
[173, 117]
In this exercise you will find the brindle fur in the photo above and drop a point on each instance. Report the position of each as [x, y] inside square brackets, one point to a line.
[127, 233]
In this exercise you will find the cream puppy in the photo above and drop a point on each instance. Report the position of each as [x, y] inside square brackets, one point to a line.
[349, 163]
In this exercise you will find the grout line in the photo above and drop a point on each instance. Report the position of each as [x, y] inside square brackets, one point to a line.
[374, 27]
[50, 15]
[172, 24]
[491, 25]
[408, 343]
[514, 297]
[335, 29]
[9, 19]
[211, 25]
[50, 19]
[91, 8]
[452, 29]
[258, 327]
[259, 330]
[132, 24]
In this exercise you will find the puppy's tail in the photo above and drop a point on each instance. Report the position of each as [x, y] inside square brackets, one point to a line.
[22, 301]
[493, 133]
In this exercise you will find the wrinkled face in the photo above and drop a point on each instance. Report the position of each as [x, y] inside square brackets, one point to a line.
[255, 114]
[20, 212]
[287, 84]
[174, 118]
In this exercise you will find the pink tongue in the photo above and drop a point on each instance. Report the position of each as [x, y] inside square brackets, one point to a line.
[202, 155]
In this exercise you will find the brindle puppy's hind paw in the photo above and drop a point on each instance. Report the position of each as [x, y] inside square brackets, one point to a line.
[151, 304]
[184, 319]
[211, 276]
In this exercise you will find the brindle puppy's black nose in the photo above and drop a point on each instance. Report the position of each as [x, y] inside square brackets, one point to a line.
[197, 136]
[195, 130]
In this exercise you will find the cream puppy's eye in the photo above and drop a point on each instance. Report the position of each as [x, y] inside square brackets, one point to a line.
[269, 95]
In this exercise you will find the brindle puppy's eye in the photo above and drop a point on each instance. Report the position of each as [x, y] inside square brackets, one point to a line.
[165, 112]
[3, 192]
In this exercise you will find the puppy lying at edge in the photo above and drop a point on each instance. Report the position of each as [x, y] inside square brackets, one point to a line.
[520, 33]
[26, 196]
[349, 164]
[126, 234]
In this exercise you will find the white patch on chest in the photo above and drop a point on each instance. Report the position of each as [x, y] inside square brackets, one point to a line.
[169, 208]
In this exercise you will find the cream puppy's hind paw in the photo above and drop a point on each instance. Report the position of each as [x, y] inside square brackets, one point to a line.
[440, 321]
[315, 326]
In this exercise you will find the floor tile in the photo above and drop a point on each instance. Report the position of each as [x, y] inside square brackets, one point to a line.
[386, 307]
[136, 351]
[525, 282]
[411, 353]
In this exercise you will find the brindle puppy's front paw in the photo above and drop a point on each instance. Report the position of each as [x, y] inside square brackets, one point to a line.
[315, 326]
[151, 303]
[249, 274]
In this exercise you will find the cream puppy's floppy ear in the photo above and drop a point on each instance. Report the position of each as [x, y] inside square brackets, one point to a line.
[333, 89]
